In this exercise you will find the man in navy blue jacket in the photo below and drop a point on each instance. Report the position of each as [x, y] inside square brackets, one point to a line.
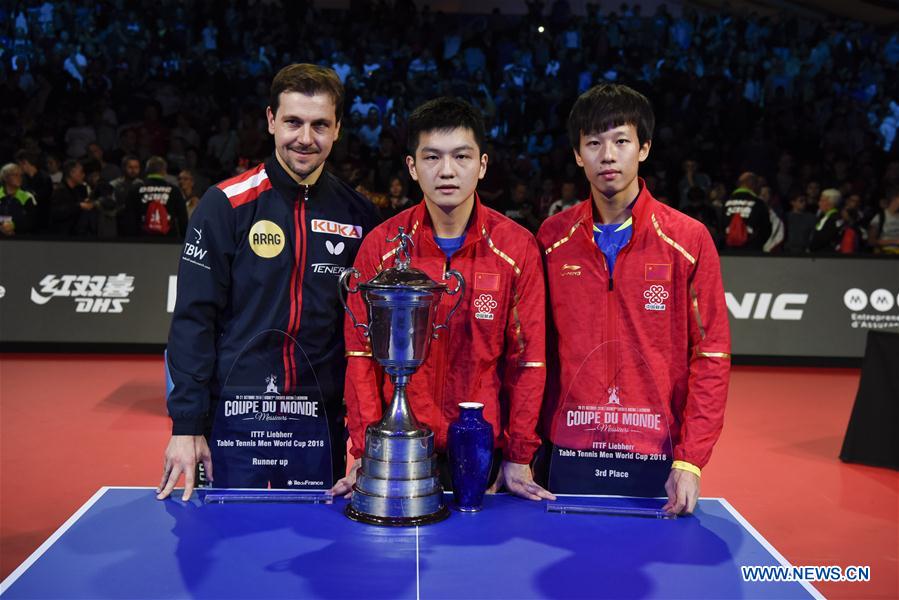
[255, 350]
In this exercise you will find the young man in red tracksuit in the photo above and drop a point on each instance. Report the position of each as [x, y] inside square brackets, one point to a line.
[493, 350]
[636, 297]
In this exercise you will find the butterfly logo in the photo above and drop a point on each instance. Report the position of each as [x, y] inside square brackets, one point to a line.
[335, 249]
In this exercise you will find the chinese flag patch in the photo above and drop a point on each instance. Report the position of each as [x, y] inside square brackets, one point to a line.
[656, 272]
[488, 282]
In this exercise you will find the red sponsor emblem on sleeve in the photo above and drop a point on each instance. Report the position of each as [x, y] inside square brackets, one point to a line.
[488, 282]
[657, 272]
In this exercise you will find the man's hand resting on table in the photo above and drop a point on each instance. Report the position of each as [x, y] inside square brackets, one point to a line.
[683, 492]
[519, 480]
[344, 486]
[181, 457]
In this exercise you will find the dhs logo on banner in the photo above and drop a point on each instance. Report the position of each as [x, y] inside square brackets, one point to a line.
[871, 311]
[91, 293]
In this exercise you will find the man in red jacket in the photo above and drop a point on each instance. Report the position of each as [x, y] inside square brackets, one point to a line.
[640, 325]
[493, 350]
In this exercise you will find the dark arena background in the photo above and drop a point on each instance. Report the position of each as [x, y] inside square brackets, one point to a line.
[802, 94]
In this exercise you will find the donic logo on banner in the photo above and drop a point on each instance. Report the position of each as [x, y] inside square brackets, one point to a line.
[777, 307]
[91, 293]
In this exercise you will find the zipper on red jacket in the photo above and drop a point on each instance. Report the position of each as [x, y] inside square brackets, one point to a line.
[612, 311]
[444, 344]
[296, 288]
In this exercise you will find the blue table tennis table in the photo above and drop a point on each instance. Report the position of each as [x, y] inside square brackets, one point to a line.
[123, 543]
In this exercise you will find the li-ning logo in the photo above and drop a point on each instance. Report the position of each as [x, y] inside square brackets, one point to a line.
[571, 270]
[341, 229]
[92, 293]
[335, 249]
[271, 380]
[485, 305]
[656, 294]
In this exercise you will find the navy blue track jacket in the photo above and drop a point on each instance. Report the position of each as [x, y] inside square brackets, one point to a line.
[262, 252]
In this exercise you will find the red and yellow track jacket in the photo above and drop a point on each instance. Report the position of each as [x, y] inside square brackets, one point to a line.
[656, 328]
[493, 350]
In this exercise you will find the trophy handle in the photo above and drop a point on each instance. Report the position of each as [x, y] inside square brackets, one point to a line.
[343, 288]
[460, 287]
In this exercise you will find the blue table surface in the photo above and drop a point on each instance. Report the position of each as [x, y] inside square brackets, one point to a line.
[125, 544]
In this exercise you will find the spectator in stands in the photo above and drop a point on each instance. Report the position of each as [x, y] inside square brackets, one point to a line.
[186, 185]
[540, 141]
[774, 243]
[698, 208]
[38, 183]
[828, 223]
[397, 200]
[18, 207]
[521, 210]
[568, 198]
[854, 234]
[54, 170]
[800, 224]
[108, 171]
[155, 207]
[370, 131]
[812, 190]
[112, 206]
[883, 233]
[78, 136]
[185, 132]
[222, 147]
[746, 215]
[72, 212]
[103, 195]
[844, 88]
[693, 177]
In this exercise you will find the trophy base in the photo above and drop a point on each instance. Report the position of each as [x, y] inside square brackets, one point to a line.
[436, 517]
[398, 485]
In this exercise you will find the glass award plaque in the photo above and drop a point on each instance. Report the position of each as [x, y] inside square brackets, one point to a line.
[610, 433]
[271, 426]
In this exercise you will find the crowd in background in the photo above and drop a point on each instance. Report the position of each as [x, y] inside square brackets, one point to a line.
[753, 113]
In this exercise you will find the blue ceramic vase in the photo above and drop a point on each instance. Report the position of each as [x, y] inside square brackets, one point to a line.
[470, 453]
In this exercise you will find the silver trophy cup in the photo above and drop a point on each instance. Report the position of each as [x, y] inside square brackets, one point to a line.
[398, 483]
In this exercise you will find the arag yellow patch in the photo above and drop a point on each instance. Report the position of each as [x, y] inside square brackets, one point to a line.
[266, 239]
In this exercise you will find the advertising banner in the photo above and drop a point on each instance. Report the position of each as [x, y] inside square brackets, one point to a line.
[86, 292]
[118, 293]
[808, 307]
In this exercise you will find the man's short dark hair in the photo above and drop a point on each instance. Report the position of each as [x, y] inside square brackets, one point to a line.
[69, 166]
[156, 165]
[127, 159]
[609, 105]
[750, 181]
[307, 79]
[28, 155]
[444, 114]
